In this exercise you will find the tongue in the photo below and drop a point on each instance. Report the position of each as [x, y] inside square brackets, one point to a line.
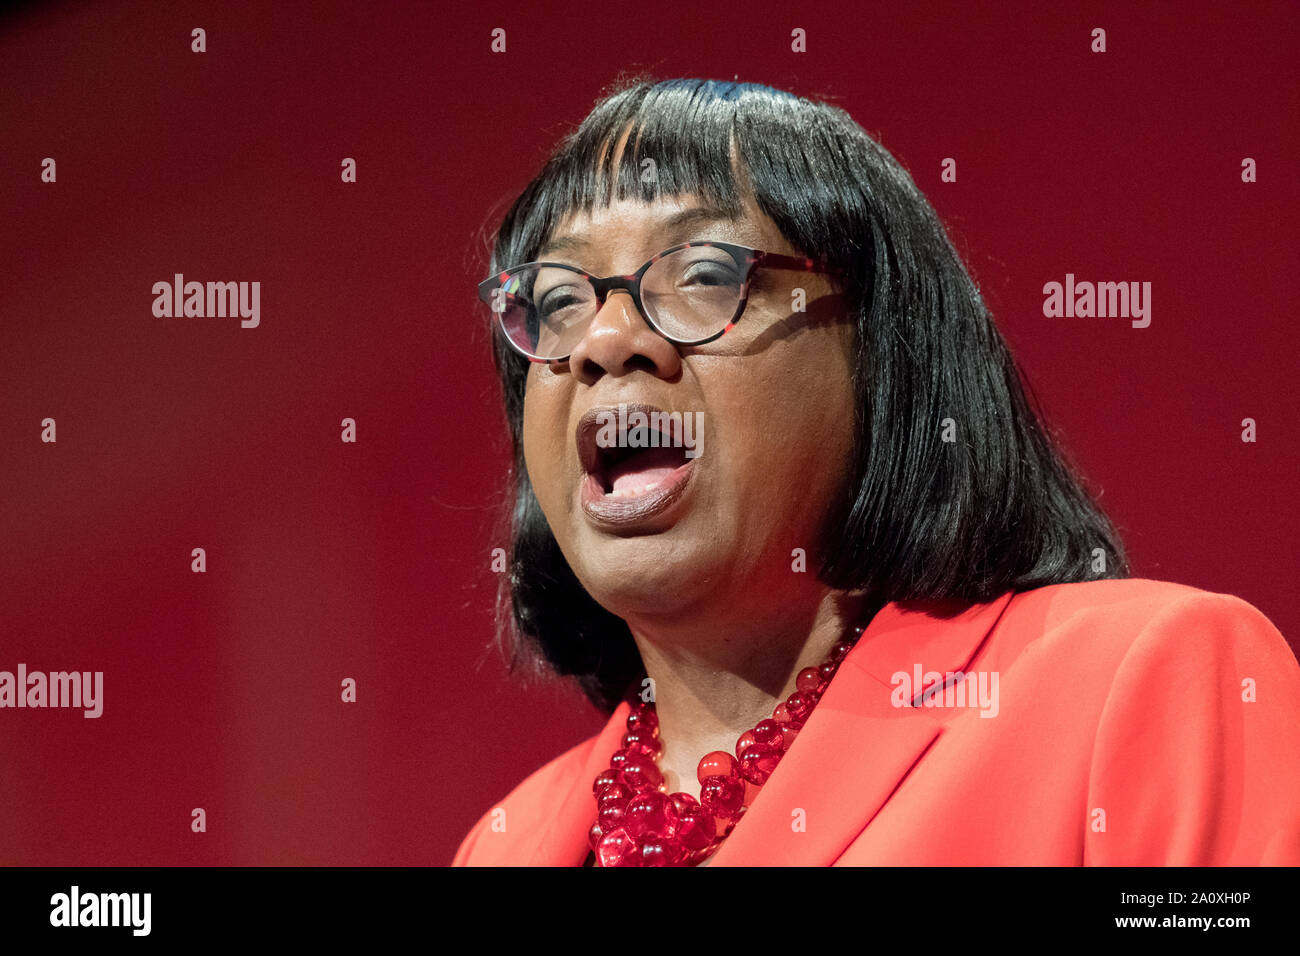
[644, 468]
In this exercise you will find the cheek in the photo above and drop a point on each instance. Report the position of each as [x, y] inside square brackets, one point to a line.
[543, 445]
[794, 436]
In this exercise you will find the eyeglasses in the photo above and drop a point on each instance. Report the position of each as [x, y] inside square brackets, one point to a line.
[690, 294]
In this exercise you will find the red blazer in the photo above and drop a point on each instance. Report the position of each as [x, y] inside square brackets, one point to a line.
[1137, 723]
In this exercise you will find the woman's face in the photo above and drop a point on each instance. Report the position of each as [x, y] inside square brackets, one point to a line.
[772, 406]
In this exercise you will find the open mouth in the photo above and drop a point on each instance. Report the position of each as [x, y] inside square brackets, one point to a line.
[633, 471]
[628, 471]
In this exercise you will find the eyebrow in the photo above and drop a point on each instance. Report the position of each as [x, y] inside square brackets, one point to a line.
[670, 225]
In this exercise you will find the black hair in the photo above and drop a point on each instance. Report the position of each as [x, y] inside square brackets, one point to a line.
[923, 519]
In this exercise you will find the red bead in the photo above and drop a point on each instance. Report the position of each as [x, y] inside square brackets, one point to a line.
[696, 828]
[644, 719]
[683, 801]
[639, 825]
[799, 704]
[643, 742]
[650, 816]
[615, 791]
[758, 762]
[768, 732]
[640, 773]
[808, 679]
[617, 848]
[661, 853]
[611, 816]
[722, 796]
[719, 763]
[746, 741]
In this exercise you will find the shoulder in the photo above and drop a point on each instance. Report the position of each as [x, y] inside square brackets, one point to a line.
[532, 801]
[1126, 621]
[1114, 652]
[1154, 641]
[1185, 707]
[1128, 598]
[1194, 704]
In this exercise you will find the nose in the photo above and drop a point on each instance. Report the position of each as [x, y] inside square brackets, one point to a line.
[619, 341]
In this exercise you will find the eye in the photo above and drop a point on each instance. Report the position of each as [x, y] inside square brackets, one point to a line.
[555, 299]
[710, 273]
[564, 303]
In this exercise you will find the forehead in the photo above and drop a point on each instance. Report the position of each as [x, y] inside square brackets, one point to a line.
[632, 229]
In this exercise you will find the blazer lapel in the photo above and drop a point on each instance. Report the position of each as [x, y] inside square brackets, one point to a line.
[857, 747]
[562, 839]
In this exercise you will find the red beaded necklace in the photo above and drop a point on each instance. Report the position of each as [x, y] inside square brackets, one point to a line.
[637, 824]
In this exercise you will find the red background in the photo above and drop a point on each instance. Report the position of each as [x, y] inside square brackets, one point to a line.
[329, 560]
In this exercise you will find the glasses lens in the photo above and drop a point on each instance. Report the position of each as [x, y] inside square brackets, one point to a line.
[545, 310]
[693, 293]
[689, 295]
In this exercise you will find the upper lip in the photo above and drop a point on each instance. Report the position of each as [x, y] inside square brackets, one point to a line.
[590, 454]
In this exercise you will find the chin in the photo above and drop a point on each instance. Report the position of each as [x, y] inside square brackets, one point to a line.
[647, 575]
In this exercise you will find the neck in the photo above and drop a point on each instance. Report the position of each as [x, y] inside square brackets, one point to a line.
[715, 677]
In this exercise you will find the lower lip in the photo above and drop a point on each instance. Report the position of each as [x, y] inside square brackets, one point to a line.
[625, 512]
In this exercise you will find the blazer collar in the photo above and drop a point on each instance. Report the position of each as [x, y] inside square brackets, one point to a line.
[851, 755]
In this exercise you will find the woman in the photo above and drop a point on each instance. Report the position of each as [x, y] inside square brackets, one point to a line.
[842, 598]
